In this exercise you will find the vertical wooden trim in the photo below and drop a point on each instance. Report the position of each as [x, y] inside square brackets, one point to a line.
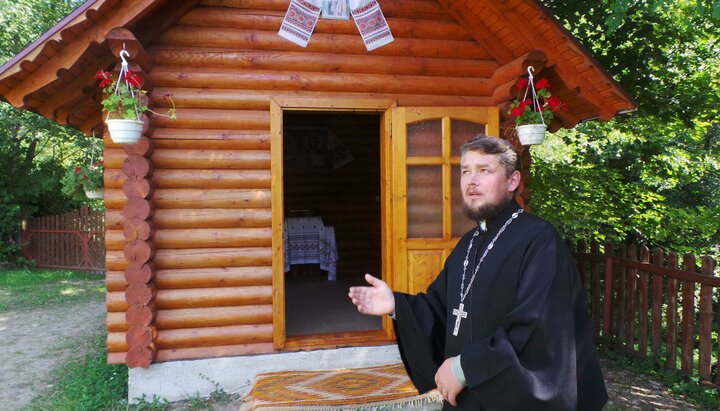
[278, 257]
[386, 207]
[399, 172]
[447, 177]
[492, 128]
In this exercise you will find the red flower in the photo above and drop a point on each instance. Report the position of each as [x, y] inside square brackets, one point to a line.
[134, 81]
[517, 112]
[542, 83]
[102, 75]
[525, 103]
[554, 102]
[105, 82]
[521, 83]
[77, 170]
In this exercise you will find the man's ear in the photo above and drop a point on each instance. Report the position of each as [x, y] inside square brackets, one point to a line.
[514, 181]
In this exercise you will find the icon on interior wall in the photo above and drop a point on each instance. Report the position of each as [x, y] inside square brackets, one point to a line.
[314, 147]
[336, 9]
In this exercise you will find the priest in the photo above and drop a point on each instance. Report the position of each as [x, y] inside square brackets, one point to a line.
[505, 324]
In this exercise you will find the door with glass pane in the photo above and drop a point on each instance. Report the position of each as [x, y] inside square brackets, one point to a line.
[428, 218]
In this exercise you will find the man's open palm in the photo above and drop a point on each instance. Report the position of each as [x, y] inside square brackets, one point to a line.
[375, 300]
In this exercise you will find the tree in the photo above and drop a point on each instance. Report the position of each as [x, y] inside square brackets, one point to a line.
[652, 176]
[34, 151]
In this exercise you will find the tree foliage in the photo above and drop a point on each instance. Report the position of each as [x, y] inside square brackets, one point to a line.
[652, 176]
[34, 151]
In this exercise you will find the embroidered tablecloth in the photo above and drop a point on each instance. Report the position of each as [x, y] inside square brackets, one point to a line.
[307, 241]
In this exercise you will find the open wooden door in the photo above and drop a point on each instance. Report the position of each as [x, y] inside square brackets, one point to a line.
[428, 218]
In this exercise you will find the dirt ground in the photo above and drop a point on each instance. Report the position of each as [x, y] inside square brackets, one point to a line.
[35, 341]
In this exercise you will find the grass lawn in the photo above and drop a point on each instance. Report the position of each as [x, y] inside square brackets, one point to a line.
[27, 288]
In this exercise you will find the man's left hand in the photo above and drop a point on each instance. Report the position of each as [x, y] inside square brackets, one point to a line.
[446, 382]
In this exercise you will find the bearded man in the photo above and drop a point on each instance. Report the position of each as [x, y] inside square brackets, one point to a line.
[505, 325]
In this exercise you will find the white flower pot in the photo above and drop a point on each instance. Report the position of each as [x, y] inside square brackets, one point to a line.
[531, 133]
[93, 194]
[124, 131]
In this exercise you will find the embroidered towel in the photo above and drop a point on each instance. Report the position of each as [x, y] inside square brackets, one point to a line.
[371, 22]
[300, 20]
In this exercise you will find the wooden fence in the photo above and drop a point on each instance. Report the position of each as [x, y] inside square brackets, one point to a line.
[644, 304]
[74, 240]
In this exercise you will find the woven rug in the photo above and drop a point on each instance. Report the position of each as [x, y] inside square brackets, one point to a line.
[373, 388]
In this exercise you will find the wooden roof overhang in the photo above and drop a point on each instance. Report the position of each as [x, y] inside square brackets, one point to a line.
[54, 76]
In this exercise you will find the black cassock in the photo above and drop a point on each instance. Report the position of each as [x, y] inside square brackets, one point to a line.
[527, 342]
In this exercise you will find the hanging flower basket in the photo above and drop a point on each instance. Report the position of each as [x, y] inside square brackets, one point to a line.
[124, 131]
[125, 101]
[94, 194]
[534, 111]
[531, 134]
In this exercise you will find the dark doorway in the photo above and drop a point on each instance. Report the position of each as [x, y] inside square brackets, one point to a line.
[331, 187]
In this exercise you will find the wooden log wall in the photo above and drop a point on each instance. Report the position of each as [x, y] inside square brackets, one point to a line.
[211, 190]
[627, 305]
[347, 198]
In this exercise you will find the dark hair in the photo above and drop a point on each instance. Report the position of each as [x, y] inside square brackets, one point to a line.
[507, 155]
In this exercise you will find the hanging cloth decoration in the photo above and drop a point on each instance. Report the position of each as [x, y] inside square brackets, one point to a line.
[300, 20]
[371, 22]
[302, 16]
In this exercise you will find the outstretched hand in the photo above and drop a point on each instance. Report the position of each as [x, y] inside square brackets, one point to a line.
[375, 300]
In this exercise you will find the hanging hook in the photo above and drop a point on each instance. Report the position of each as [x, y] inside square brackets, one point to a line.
[530, 70]
[122, 55]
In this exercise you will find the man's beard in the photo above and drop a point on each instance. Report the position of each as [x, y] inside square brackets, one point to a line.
[487, 211]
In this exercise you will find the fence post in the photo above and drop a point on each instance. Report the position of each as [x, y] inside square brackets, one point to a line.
[706, 315]
[688, 318]
[595, 289]
[631, 290]
[608, 300]
[657, 303]
[672, 296]
[643, 295]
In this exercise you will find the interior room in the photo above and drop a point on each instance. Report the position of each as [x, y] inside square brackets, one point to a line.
[331, 187]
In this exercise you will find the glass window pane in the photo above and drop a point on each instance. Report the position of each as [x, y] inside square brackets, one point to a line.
[424, 202]
[424, 138]
[460, 223]
[462, 131]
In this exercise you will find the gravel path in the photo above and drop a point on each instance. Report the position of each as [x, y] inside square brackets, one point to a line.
[36, 341]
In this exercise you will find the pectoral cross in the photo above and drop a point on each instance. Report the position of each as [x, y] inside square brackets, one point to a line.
[459, 314]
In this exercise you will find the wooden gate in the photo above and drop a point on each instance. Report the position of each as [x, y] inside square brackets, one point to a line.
[74, 240]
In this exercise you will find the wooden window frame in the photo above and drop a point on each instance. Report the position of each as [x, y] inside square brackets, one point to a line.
[277, 107]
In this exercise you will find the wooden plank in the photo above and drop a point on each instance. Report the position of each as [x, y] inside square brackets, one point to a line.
[211, 336]
[447, 187]
[230, 78]
[705, 322]
[621, 299]
[216, 351]
[630, 307]
[608, 294]
[688, 319]
[277, 203]
[595, 309]
[671, 315]
[657, 258]
[643, 304]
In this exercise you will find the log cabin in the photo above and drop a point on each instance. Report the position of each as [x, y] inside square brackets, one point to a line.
[362, 143]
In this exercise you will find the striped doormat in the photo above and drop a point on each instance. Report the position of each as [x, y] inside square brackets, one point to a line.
[373, 388]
